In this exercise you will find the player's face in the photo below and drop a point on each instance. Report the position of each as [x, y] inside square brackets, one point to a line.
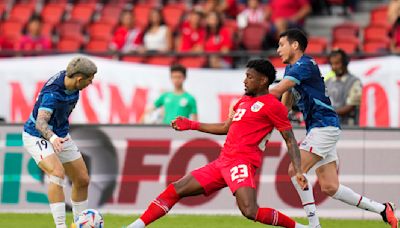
[83, 82]
[285, 50]
[253, 82]
[177, 79]
[337, 65]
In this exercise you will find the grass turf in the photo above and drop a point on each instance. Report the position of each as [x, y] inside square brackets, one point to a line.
[13, 220]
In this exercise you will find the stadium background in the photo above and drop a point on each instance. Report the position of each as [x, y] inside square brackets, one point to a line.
[130, 163]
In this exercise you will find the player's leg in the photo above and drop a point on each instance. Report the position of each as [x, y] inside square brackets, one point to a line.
[204, 180]
[329, 182]
[186, 186]
[246, 199]
[308, 160]
[77, 172]
[42, 152]
[75, 169]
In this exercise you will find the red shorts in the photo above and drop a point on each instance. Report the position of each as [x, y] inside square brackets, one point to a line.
[220, 173]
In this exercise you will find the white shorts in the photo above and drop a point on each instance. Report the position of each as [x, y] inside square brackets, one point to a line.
[322, 142]
[39, 148]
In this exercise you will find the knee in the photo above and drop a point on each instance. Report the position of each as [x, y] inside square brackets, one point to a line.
[249, 211]
[82, 181]
[329, 189]
[57, 171]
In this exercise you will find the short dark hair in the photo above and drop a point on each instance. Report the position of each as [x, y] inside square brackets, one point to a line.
[296, 35]
[178, 67]
[343, 55]
[264, 67]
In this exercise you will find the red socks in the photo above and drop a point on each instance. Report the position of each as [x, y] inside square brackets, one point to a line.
[161, 205]
[273, 217]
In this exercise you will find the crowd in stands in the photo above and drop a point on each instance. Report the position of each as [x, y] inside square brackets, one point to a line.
[138, 29]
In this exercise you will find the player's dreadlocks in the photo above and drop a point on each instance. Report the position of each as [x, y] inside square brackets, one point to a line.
[264, 67]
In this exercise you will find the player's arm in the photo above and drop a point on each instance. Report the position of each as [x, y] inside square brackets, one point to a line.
[288, 100]
[284, 85]
[183, 124]
[294, 153]
[42, 125]
[147, 112]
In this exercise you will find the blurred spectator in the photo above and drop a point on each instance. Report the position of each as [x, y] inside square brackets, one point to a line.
[394, 12]
[127, 37]
[285, 14]
[175, 103]
[218, 39]
[224, 7]
[344, 89]
[33, 40]
[192, 34]
[254, 13]
[157, 36]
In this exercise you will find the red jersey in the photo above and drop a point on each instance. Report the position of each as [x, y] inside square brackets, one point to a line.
[254, 120]
[191, 37]
[286, 8]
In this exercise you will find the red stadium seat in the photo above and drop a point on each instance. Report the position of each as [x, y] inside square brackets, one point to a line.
[21, 12]
[97, 46]
[71, 30]
[253, 36]
[231, 25]
[193, 62]
[346, 29]
[52, 13]
[141, 12]
[316, 45]
[160, 60]
[374, 47]
[47, 29]
[376, 33]
[69, 45]
[379, 14]
[172, 15]
[11, 28]
[82, 13]
[350, 46]
[133, 59]
[110, 14]
[100, 30]
[277, 62]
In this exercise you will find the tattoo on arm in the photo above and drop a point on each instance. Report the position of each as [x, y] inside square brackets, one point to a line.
[42, 125]
[293, 149]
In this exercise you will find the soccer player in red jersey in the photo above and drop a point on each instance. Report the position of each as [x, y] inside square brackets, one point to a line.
[248, 128]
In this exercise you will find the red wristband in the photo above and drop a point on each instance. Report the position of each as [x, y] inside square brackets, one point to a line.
[194, 125]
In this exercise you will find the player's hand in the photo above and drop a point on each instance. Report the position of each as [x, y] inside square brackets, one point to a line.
[183, 124]
[57, 144]
[302, 181]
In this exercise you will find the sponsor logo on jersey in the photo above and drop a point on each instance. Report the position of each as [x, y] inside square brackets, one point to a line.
[183, 102]
[257, 106]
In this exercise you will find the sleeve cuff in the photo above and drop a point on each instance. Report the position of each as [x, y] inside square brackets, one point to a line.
[46, 109]
[291, 78]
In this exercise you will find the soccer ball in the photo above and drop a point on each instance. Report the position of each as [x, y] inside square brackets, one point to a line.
[90, 218]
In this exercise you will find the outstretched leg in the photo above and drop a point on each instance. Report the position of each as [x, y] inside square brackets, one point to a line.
[187, 186]
[329, 182]
[246, 200]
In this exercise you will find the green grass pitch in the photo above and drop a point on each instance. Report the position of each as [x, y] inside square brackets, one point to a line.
[11, 220]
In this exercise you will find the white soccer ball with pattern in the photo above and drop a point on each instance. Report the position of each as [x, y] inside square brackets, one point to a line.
[90, 218]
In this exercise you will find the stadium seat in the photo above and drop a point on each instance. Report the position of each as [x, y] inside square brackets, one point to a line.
[110, 14]
[172, 15]
[316, 45]
[349, 44]
[277, 62]
[376, 33]
[53, 13]
[100, 30]
[71, 30]
[375, 47]
[82, 13]
[47, 29]
[21, 12]
[68, 45]
[346, 29]
[231, 25]
[379, 14]
[253, 36]
[11, 28]
[193, 62]
[95, 45]
[141, 12]
[133, 59]
[160, 60]
[320, 60]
